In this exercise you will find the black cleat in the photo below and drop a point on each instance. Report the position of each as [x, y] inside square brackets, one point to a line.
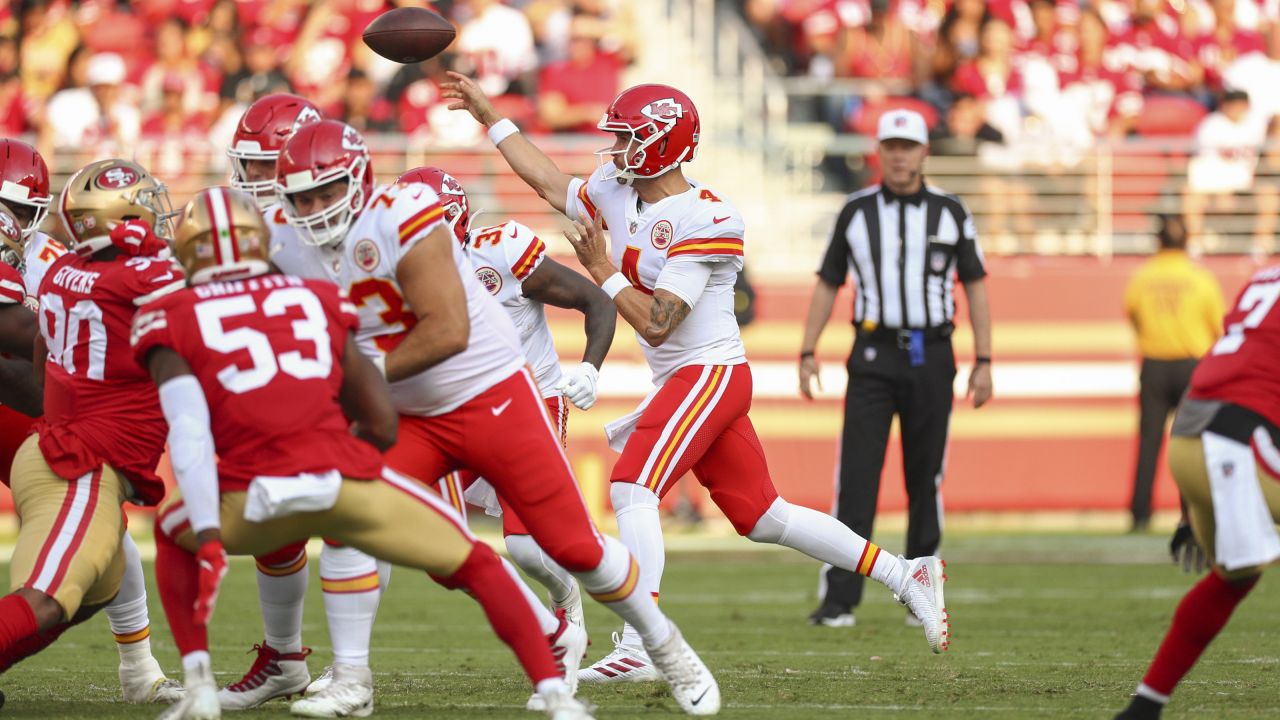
[1141, 708]
[832, 615]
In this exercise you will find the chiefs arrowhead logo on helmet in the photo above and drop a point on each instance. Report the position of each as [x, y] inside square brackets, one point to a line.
[308, 114]
[352, 141]
[664, 109]
[116, 178]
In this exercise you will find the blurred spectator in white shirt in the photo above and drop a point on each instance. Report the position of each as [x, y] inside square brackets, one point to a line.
[495, 44]
[1227, 142]
[1258, 74]
[95, 118]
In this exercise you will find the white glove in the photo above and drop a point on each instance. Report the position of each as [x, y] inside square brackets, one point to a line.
[580, 386]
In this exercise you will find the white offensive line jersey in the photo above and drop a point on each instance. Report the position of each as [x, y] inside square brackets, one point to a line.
[394, 220]
[503, 257]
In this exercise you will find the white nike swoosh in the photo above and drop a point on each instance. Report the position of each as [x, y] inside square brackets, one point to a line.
[497, 409]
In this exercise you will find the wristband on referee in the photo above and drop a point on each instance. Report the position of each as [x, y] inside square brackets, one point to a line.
[502, 130]
[614, 284]
[982, 360]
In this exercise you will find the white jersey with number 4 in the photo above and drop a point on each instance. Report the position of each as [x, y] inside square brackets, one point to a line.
[395, 219]
[504, 256]
[653, 244]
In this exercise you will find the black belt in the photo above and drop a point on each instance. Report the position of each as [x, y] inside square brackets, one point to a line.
[1239, 423]
[902, 336]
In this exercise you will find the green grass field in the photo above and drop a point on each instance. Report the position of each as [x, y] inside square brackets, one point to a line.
[1045, 627]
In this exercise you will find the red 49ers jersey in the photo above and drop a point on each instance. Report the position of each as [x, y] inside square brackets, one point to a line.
[1243, 367]
[268, 354]
[101, 407]
[12, 290]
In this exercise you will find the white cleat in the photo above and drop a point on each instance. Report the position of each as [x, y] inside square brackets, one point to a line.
[349, 694]
[272, 675]
[199, 698]
[626, 664]
[692, 684]
[568, 645]
[572, 607]
[564, 706]
[921, 592]
[320, 683]
[144, 682]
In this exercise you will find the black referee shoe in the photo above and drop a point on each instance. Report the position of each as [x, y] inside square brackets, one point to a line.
[832, 615]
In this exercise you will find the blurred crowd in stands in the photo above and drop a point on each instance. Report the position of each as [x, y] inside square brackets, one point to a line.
[166, 79]
[1037, 83]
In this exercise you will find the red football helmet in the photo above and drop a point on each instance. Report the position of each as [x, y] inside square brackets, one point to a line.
[452, 197]
[261, 134]
[663, 124]
[24, 182]
[319, 154]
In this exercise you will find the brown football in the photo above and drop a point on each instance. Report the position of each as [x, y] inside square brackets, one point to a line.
[409, 34]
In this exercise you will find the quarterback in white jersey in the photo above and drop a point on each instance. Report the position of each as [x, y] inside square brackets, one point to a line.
[677, 247]
[24, 190]
[457, 374]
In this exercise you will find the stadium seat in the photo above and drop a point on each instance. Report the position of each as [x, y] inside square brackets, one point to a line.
[1169, 116]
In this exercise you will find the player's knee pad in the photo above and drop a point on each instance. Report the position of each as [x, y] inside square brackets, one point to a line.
[771, 527]
[629, 497]
[610, 572]
[345, 562]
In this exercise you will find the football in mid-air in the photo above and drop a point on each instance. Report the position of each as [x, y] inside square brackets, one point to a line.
[409, 34]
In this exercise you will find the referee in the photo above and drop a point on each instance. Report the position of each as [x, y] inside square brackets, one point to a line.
[904, 242]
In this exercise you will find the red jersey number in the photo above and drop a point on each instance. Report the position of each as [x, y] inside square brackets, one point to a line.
[394, 315]
[265, 361]
[631, 269]
[1257, 301]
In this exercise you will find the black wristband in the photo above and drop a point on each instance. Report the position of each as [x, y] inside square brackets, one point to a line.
[982, 359]
[806, 354]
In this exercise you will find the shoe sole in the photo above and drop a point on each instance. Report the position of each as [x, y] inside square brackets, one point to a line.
[839, 621]
[938, 569]
[360, 712]
[287, 695]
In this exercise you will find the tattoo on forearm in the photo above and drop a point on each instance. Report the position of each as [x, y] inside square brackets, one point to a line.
[666, 314]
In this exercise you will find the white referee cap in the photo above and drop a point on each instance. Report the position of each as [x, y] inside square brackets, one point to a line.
[903, 125]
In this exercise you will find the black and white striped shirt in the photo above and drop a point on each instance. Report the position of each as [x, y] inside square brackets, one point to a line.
[905, 253]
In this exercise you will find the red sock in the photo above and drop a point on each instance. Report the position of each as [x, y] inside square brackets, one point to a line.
[17, 628]
[1201, 615]
[178, 578]
[484, 578]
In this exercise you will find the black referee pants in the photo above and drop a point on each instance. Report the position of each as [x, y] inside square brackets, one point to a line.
[1161, 386]
[882, 383]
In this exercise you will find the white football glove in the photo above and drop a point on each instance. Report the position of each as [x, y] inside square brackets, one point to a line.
[580, 386]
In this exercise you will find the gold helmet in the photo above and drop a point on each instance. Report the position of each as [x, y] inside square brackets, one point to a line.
[11, 248]
[107, 192]
[221, 236]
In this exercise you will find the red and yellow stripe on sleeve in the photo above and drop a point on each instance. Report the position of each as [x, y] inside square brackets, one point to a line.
[529, 260]
[587, 205]
[420, 220]
[707, 246]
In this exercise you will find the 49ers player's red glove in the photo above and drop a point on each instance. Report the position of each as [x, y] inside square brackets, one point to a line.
[136, 238]
[212, 561]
